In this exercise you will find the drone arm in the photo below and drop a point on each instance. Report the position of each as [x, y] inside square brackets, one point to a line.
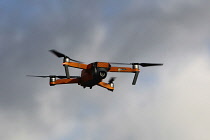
[105, 85]
[75, 65]
[123, 69]
[135, 70]
[64, 81]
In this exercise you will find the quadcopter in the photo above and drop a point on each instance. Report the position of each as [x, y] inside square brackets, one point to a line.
[94, 73]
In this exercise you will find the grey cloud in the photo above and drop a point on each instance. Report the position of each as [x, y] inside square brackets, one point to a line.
[180, 30]
[154, 109]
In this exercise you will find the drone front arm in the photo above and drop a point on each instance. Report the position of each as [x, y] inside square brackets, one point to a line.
[76, 65]
[123, 69]
[105, 85]
[64, 81]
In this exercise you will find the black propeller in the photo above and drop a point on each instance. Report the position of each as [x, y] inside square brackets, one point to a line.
[141, 64]
[58, 54]
[147, 64]
[111, 80]
[61, 77]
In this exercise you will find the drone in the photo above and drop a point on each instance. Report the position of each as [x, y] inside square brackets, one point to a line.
[94, 73]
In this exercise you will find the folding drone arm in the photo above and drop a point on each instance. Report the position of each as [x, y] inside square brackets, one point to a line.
[123, 69]
[75, 65]
[107, 86]
[63, 81]
[135, 70]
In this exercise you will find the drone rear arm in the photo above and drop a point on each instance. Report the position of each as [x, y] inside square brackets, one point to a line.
[135, 70]
[75, 65]
[123, 69]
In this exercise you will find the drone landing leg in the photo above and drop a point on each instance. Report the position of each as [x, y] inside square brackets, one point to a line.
[67, 71]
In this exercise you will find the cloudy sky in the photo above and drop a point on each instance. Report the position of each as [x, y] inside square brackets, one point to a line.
[167, 103]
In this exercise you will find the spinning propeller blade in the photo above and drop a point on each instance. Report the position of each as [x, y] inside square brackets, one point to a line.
[37, 76]
[61, 77]
[141, 64]
[58, 54]
[111, 80]
[147, 64]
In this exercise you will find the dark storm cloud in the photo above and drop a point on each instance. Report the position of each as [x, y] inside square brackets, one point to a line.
[97, 30]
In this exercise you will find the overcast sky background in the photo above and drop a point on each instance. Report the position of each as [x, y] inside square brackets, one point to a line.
[168, 103]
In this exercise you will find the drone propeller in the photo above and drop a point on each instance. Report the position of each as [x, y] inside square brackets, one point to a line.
[111, 80]
[58, 54]
[147, 64]
[141, 64]
[60, 77]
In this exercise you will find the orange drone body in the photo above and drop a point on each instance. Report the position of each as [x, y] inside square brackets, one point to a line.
[93, 73]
